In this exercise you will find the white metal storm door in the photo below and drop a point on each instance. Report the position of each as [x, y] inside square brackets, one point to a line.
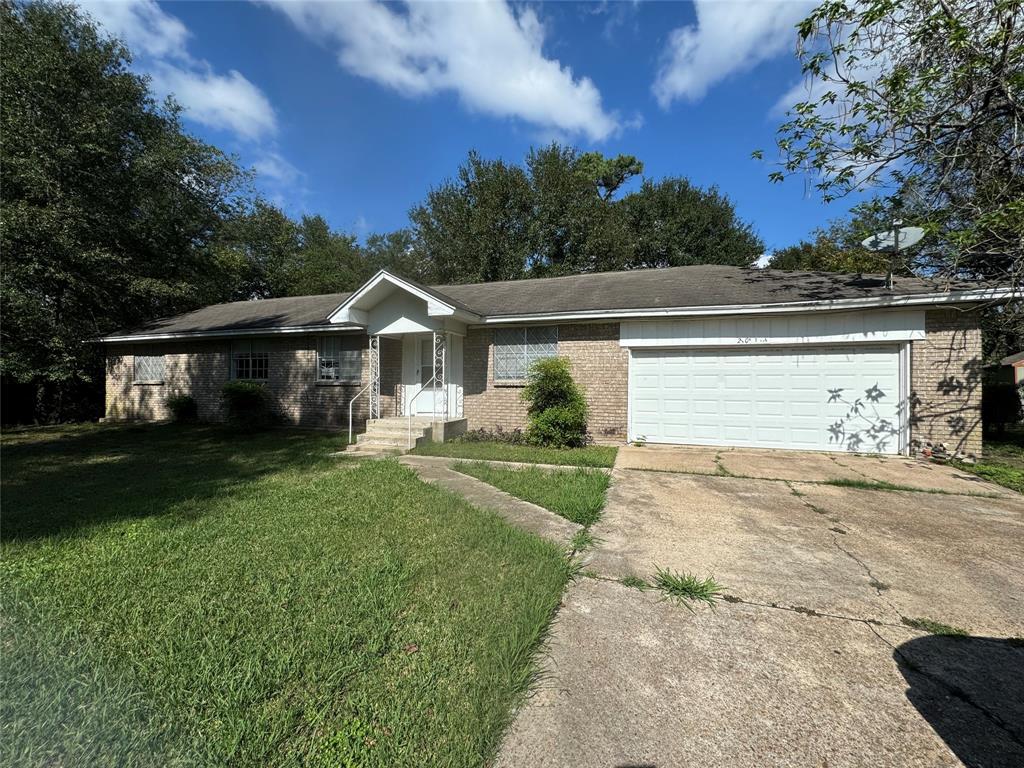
[833, 398]
[424, 403]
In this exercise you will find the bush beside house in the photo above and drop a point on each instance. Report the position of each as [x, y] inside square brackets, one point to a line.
[247, 404]
[183, 408]
[557, 411]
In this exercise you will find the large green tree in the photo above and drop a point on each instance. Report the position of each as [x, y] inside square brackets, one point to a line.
[567, 213]
[108, 206]
[673, 223]
[476, 227]
[325, 261]
[924, 102]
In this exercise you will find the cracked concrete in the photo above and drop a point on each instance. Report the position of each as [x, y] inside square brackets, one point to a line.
[807, 661]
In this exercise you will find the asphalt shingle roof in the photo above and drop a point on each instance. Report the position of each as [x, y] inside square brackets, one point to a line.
[674, 287]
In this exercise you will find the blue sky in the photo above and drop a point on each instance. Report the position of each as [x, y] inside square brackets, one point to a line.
[354, 110]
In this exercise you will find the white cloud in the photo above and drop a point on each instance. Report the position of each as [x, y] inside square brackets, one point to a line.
[226, 102]
[273, 167]
[728, 38]
[488, 54]
[219, 101]
[142, 25]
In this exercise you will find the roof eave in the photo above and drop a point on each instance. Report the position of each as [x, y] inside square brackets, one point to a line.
[822, 305]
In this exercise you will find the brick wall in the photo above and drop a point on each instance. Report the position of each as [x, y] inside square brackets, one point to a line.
[599, 365]
[201, 368]
[945, 381]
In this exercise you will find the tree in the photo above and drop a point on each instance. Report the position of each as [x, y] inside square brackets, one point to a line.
[673, 223]
[399, 253]
[923, 100]
[256, 249]
[837, 247]
[325, 262]
[576, 226]
[108, 207]
[476, 228]
[564, 214]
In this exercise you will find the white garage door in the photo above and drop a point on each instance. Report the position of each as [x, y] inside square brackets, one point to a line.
[840, 398]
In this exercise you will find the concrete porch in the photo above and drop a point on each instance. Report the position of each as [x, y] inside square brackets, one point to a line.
[400, 434]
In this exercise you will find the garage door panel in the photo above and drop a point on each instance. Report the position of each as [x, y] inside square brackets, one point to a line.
[770, 397]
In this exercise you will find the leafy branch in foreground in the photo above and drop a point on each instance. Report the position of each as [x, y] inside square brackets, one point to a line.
[924, 101]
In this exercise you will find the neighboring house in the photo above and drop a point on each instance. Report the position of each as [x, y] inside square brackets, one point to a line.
[707, 355]
[1015, 374]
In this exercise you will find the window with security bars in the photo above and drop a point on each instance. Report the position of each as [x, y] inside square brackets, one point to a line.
[516, 349]
[149, 368]
[339, 358]
[250, 360]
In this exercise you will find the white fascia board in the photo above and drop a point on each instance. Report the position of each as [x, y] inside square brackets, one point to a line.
[350, 315]
[435, 307]
[987, 294]
[221, 334]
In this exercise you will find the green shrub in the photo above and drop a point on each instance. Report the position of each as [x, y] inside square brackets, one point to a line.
[556, 408]
[247, 404]
[561, 426]
[498, 435]
[1000, 405]
[550, 384]
[183, 408]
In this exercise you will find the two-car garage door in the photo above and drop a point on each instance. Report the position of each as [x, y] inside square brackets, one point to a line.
[843, 397]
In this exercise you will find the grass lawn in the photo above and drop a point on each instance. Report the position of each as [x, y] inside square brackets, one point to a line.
[1002, 460]
[575, 494]
[189, 597]
[591, 456]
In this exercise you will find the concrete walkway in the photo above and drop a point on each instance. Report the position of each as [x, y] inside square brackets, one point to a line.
[520, 513]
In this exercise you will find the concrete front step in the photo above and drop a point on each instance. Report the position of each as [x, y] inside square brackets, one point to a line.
[370, 452]
[396, 430]
[417, 421]
[393, 441]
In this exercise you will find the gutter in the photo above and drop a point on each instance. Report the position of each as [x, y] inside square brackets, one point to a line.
[227, 333]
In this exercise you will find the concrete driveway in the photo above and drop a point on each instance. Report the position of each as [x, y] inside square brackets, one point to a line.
[809, 661]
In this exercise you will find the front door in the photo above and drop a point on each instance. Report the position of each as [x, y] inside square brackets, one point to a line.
[424, 403]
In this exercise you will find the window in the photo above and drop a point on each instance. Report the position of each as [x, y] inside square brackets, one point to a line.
[250, 360]
[516, 349]
[339, 358]
[149, 369]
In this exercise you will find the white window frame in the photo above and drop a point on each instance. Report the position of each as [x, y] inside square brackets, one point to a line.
[341, 365]
[148, 362]
[538, 342]
[247, 351]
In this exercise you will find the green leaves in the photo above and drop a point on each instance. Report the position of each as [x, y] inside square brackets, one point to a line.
[109, 208]
[922, 100]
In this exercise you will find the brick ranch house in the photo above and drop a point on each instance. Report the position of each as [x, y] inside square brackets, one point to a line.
[706, 355]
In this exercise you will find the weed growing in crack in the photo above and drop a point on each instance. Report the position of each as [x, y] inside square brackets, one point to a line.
[582, 540]
[685, 587]
[934, 627]
[635, 582]
[881, 586]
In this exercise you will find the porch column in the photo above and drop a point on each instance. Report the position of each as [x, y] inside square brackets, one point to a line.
[374, 377]
[440, 377]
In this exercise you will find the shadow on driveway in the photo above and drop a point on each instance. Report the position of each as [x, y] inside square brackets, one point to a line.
[971, 692]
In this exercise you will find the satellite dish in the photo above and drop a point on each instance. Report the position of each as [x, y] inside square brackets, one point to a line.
[890, 241]
[887, 241]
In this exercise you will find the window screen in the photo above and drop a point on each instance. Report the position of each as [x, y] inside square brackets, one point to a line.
[250, 360]
[516, 349]
[339, 358]
[149, 368]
